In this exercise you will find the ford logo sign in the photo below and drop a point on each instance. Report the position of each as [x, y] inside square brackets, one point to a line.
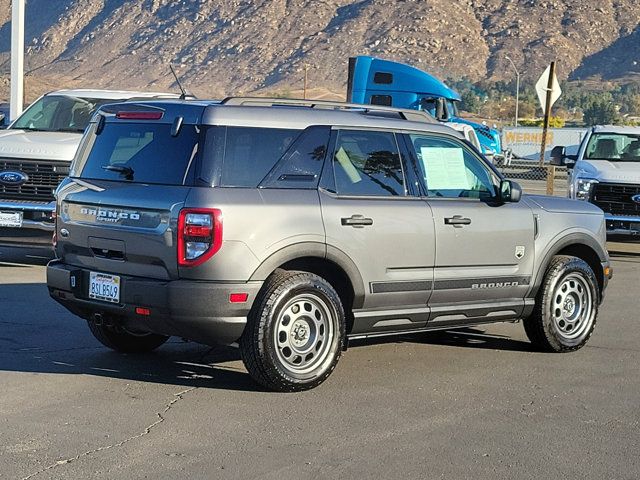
[636, 198]
[12, 178]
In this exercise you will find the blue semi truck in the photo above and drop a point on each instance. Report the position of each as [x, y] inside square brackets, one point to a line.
[375, 81]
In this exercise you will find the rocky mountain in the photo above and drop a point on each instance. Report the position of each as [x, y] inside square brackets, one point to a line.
[225, 47]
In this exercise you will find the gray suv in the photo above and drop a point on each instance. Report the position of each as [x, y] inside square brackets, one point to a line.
[290, 227]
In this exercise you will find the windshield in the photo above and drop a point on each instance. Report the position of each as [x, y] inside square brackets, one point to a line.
[615, 147]
[59, 113]
[429, 105]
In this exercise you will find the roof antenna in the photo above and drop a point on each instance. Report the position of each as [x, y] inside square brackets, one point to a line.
[184, 92]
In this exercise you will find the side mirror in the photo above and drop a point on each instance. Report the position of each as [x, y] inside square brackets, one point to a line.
[510, 191]
[570, 161]
[558, 155]
[441, 113]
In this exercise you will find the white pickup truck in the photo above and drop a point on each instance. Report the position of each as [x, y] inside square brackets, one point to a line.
[35, 154]
[606, 172]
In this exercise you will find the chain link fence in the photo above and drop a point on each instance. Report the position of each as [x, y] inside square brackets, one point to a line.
[521, 161]
[532, 177]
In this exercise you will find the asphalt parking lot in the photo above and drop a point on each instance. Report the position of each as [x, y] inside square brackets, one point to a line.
[477, 403]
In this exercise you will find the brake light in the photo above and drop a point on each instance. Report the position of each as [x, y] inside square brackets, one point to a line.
[199, 235]
[129, 115]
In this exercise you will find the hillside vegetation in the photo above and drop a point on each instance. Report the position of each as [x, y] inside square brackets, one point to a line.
[226, 47]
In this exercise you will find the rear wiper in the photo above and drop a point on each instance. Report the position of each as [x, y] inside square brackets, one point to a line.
[127, 172]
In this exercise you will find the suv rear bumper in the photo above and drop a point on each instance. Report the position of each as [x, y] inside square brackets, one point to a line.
[37, 224]
[199, 311]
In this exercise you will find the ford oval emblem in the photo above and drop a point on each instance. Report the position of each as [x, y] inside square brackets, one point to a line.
[636, 198]
[13, 178]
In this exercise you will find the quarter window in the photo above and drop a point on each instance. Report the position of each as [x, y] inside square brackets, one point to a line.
[243, 155]
[301, 165]
[368, 163]
[450, 170]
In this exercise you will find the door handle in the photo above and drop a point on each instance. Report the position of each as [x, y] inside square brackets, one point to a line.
[357, 221]
[457, 221]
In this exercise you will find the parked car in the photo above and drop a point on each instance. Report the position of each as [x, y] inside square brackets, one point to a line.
[292, 226]
[606, 172]
[35, 153]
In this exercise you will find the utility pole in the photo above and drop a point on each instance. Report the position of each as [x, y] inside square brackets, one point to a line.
[306, 68]
[515, 123]
[17, 58]
[551, 171]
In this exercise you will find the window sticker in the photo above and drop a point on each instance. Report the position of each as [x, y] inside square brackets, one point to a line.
[347, 165]
[445, 168]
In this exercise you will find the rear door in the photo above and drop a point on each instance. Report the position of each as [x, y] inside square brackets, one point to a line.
[369, 215]
[119, 209]
[484, 248]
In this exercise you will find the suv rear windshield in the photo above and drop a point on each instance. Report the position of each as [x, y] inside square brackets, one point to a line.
[139, 153]
[59, 113]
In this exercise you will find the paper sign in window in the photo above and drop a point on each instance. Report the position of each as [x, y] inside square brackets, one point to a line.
[445, 169]
[347, 165]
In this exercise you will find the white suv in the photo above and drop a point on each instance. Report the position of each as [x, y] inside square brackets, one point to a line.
[35, 153]
[606, 172]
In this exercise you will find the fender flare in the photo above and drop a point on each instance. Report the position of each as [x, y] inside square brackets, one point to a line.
[576, 238]
[314, 250]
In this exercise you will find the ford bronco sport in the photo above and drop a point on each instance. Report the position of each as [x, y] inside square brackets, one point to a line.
[290, 227]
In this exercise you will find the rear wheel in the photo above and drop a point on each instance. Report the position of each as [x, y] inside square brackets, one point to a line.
[125, 341]
[566, 307]
[295, 332]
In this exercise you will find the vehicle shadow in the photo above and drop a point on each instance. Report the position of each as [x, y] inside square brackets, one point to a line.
[39, 336]
[468, 337]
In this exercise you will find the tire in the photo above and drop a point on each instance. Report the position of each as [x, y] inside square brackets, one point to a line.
[566, 307]
[295, 332]
[124, 341]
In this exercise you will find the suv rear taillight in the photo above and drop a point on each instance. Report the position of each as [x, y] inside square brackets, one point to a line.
[199, 235]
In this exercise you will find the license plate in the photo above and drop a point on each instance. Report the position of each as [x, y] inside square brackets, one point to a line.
[104, 287]
[11, 219]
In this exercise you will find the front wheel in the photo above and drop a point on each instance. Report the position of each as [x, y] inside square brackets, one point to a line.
[295, 332]
[566, 306]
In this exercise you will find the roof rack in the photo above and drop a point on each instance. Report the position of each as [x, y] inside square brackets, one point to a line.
[403, 113]
[160, 96]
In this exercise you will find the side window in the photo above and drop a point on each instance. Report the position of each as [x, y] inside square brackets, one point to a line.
[242, 156]
[383, 78]
[450, 170]
[301, 166]
[384, 100]
[368, 163]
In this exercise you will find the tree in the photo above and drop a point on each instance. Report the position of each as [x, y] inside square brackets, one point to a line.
[600, 112]
[470, 102]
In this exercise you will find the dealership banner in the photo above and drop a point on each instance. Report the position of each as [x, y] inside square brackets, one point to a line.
[525, 142]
